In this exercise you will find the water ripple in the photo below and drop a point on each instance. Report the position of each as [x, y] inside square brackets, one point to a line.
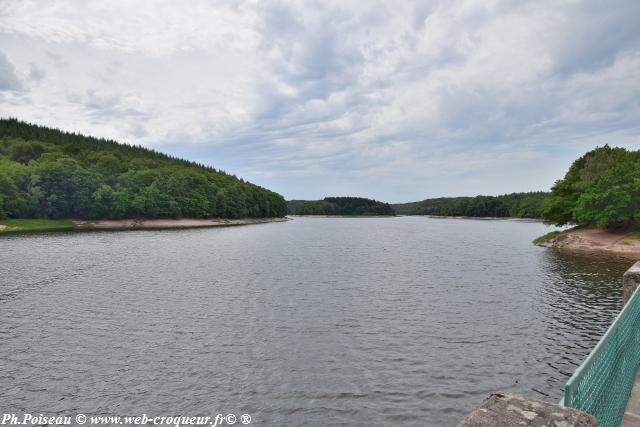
[403, 321]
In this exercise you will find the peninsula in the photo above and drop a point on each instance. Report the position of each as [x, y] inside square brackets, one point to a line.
[600, 195]
[340, 206]
[55, 180]
[514, 205]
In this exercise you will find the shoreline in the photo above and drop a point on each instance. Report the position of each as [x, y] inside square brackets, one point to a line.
[592, 241]
[16, 226]
[474, 218]
[170, 224]
[484, 218]
[342, 216]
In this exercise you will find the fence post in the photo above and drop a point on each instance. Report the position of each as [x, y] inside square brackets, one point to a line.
[567, 399]
[630, 282]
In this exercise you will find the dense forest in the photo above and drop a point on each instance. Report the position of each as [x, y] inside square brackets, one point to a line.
[601, 189]
[516, 205]
[47, 173]
[339, 206]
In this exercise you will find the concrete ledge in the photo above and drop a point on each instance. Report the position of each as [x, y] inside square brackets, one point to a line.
[632, 413]
[509, 410]
[630, 282]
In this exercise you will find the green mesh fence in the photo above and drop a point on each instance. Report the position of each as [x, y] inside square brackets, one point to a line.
[601, 386]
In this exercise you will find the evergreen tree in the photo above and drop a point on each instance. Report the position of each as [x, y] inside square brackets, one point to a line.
[46, 173]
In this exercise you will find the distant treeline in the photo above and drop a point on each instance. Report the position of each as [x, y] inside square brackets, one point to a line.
[515, 205]
[339, 206]
[47, 173]
[601, 188]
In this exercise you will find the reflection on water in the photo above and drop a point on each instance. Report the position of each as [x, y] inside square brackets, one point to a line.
[579, 299]
[410, 321]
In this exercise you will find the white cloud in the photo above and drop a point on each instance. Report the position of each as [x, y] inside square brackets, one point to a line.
[392, 100]
[8, 79]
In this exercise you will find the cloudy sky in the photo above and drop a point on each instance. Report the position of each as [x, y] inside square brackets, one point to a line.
[395, 100]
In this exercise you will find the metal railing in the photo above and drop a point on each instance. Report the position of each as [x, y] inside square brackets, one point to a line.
[601, 386]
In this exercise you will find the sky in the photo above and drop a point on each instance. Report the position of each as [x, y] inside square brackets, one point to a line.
[393, 100]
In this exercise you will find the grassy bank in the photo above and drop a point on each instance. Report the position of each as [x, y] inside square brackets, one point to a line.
[28, 225]
[540, 241]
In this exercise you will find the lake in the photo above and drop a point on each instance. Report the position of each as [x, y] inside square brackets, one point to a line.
[316, 321]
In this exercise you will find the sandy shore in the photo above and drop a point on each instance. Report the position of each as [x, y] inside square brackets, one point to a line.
[128, 224]
[595, 241]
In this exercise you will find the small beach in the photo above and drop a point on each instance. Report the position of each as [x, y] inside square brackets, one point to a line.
[596, 241]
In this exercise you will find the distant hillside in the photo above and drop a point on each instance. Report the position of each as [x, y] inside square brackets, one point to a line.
[47, 173]
[515, 205]
[339, 206]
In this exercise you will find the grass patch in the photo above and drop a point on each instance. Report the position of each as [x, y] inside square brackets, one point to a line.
[542, 239]
[19, 225]
[630, 238]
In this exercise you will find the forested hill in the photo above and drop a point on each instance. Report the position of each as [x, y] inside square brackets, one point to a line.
[515, 205]
[356, 206]
[47, 173]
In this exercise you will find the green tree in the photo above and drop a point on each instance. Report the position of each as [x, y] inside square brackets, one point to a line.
[49, 173]
[600, 189]
[611, 199]
[23, 153]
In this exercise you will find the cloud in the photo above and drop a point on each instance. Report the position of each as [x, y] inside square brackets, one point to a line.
[8, 79]
[36, 73]
[56, 59]
[396, 101]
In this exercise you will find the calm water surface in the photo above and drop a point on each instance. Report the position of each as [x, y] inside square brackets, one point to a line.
[403, 321]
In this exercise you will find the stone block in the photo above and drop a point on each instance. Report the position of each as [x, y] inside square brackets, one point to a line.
[510, 410]
[630, 282]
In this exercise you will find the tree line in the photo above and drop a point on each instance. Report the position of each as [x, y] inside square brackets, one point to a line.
[515, 205]
[48, 173]
[601, 189]
[357, 206]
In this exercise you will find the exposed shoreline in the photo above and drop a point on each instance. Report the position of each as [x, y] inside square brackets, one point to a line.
[476, 218]
[595, 241]
[342, 216]
[138, 224]
[164, 224]
[484, 218]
